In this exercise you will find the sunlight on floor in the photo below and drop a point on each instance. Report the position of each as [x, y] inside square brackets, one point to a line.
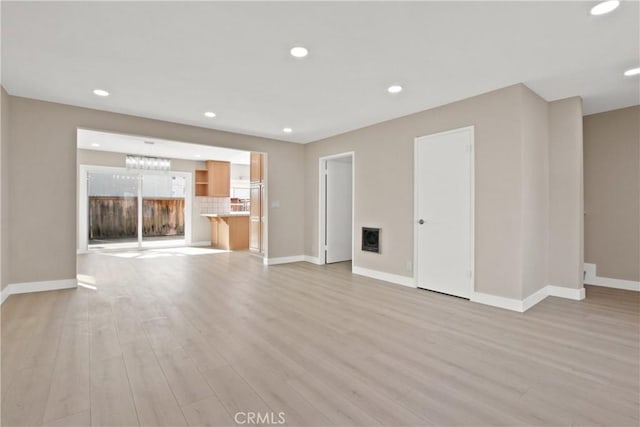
[166, 252]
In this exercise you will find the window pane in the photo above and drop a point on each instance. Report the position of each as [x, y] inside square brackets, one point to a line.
[112, 209]
[163, 206]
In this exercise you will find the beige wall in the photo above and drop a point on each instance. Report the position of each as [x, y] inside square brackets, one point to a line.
[42, 171]
[566, 248]
[4, 186]
[384, 186]
[200, 227]
[513, 188]
[612, 192]
[535, 192]
[519, 163]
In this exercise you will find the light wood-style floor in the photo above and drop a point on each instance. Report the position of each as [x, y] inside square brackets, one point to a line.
[174, 339]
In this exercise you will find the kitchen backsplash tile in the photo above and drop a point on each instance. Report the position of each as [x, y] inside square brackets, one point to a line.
[214, 205]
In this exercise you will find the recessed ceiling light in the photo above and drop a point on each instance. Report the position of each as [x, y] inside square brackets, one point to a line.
[394, 89]
[287, 130]
[95, 144]
[210, 114]
[197, 155]
[605, 7]
[101, 92]
[299, 52]
[632, 72]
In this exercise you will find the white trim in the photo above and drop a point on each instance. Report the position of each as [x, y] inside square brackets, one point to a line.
[472, 215]
[591, 278]
[5, 294]
[387, 277]
[534, 298]
[312, 259]
[321, 203]
[589, 271]
[264, 219]
[564, 292]
[283, 260]
[201, 243]
[523, 305]
[496, 301]
[47, 285]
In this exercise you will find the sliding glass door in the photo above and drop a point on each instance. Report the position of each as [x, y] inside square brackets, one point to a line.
[112, 210]
[122, 209]
[163, 208]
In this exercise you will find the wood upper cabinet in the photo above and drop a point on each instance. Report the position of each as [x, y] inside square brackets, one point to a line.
[256, 173]
[215, 180]
[202, 183]
[219, 178]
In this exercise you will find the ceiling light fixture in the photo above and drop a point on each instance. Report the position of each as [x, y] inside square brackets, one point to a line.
[394, 89]
[197, 155]
[299, 52]
[632, 72]
[210, 114]
[148, 163]
[287, 130]
[95, 144]
[605, 7]
[100, 92]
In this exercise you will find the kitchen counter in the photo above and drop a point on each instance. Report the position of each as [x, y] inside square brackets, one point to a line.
[229, 231]
[224, 215]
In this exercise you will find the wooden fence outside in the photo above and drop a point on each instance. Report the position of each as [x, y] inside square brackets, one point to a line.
[117, 217]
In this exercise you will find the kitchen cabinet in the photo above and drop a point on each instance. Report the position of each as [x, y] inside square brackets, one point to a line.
[215, 181]
[256, 171]
[258, 204]
[230, 232]
[256, 218]
[202, 183]
[219, 178]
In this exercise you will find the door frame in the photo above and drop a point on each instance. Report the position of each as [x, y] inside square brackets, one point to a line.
[322, 161]
[83, 208]
[472, 189]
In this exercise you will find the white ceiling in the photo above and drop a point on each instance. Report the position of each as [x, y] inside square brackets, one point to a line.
[175, 60]
[160, 148]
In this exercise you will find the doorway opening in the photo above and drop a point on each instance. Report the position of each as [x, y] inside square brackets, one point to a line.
[336, 208]
[136, 192]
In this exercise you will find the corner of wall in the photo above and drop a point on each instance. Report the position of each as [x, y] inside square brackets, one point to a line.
[566, 198]
[534, 129]
[4, 184]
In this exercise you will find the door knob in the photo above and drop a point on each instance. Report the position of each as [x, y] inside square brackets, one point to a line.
[421, 221]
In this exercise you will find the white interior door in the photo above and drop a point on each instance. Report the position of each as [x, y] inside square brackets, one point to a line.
[338, 191]
[444, 193]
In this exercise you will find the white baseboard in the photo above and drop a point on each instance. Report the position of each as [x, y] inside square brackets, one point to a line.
[312, 259]
[523, 305]
[564, 292]
[496, 301]
[202, 243]
[48, 285]
[4, 294]
[591, 278]
[387, 277]
[534, 298]
[283, 260]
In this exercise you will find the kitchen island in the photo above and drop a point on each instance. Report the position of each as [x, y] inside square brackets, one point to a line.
[229, 230]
